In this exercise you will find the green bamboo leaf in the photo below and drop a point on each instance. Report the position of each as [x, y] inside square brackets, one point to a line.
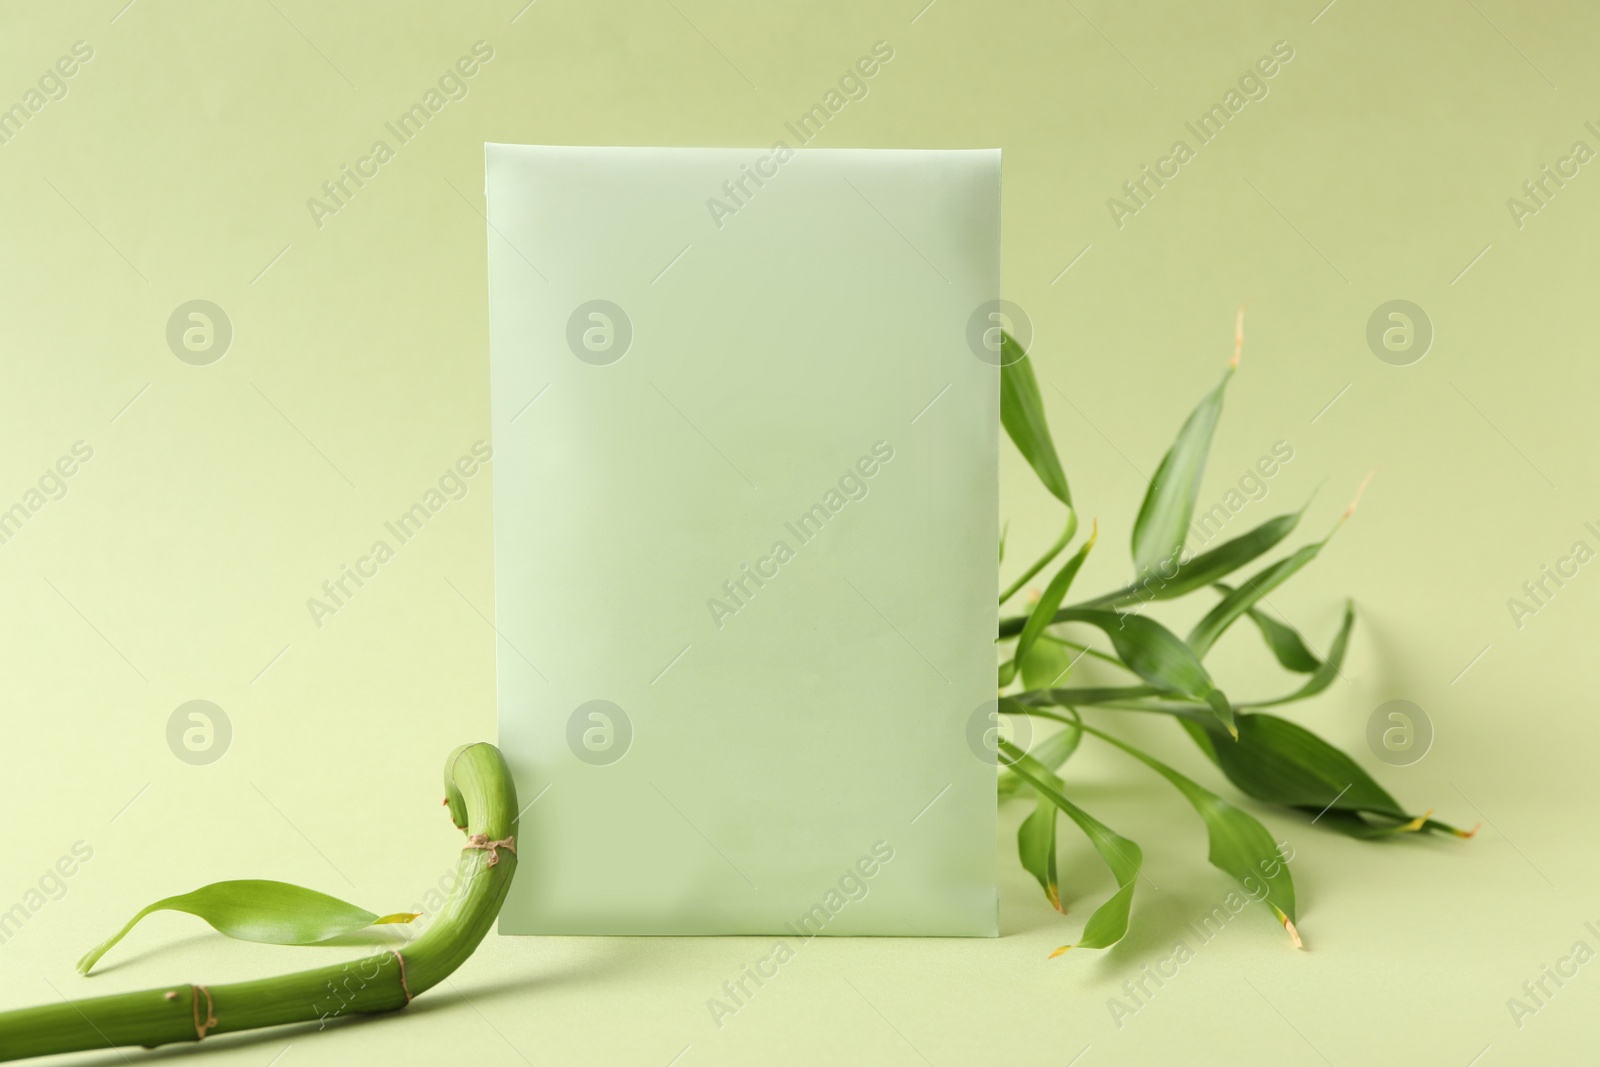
[1242, 599]
[1284, 763]
[1352, 824]
[1281, 762]
[1086, 696]
[1287, 646]
[1052, 752]
[1125, 859]
[1283, 640]
[273, 913]
[1162, 527]
[1326, 671]
[1370, 828]
[1202, 570]
[1156, 654]
[1206, 568]
[1044, 611]
[1239, 844]
[1218, 619]
[1022, 414]
[1036, 848]
[1048, 661]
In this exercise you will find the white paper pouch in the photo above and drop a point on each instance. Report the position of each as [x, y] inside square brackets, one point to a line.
[745, 537]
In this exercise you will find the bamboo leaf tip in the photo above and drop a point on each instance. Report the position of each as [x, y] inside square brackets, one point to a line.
[1468, 834]
[398, 917]
[1416, 824]
[1062, 951]
[1294, 933]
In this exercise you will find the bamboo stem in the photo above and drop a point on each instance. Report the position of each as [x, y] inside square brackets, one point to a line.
[482, 802]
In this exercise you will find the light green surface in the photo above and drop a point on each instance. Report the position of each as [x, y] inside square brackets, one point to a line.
[183, 553]
[786, 408]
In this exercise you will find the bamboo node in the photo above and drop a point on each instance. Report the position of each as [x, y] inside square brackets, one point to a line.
[210, 1021]
[403, 987]
[482, 841]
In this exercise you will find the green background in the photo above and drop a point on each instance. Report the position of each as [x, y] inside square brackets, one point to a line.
[178, 564]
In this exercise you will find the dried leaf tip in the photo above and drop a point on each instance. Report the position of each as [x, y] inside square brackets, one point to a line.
[1055, 900]
[1360, 489]
[1238, 339]
[1294, 934]
[1468, 834]
[1060, 951]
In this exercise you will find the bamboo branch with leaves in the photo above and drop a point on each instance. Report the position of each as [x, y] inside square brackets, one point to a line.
[1266, 757]
[483, 804]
